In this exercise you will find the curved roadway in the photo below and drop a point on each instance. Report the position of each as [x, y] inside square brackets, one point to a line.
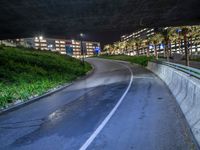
[119, 107]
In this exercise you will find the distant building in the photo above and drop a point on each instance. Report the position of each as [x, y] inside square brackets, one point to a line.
[143, 34]
[176, 47]
[63, 46]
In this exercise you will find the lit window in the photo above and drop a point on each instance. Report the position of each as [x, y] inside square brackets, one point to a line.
[43, 45]
[62, 42]
[43, 41]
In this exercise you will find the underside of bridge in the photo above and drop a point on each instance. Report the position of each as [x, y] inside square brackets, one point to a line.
[97, 18]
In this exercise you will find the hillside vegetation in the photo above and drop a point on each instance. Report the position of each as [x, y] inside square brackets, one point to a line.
[28, 72]
[141, 60]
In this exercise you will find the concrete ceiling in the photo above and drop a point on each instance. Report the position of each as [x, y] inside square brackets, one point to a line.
[103, 20]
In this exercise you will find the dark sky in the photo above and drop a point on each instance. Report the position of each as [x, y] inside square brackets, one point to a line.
[100, 20]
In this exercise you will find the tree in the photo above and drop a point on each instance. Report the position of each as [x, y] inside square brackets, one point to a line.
[108, 48]
[132, 44]
[196, 35]
[188, 32]
[116, 47]
[193, 35]
[138, 43]
[123, 46]
[143, 45]
[168, 35]
[155, 40]
[173, 36]
[119, 47]
[129, 46]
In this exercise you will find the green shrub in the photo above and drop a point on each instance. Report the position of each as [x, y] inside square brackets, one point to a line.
[141, 60]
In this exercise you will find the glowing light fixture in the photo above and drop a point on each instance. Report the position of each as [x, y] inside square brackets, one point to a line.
[41, 37]
[81, 34]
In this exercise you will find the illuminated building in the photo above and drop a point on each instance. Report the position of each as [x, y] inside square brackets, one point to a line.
[63, 46]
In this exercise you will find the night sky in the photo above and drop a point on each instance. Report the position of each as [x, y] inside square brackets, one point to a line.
[99, 20]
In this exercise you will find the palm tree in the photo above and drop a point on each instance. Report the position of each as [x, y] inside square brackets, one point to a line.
[196, 36]
[132, 44]
[168, 35]
[123, 46]
[193, 34]
[116, 46]
[119, 47]
[155, 40]
[138, 43]
[108, 48]
[173, 36]
[147, 43]
[186, 32]
[144, 45]
[129, 46]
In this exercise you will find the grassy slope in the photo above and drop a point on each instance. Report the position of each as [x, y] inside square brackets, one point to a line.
[142, 60]
[196, 59]
[28, 72]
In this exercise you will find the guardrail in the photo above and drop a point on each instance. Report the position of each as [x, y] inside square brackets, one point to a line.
[189, 70]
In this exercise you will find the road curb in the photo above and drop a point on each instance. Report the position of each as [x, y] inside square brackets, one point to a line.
[50, 92]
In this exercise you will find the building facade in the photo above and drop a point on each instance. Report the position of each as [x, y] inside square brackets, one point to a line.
[73, 48]
[143, 34]
[176, 47]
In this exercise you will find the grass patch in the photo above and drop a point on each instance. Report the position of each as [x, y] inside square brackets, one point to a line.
[141, 60]
[28, 72]
[195, 59]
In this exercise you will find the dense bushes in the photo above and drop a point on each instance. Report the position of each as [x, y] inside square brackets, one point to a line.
[142, 60]
[27, 72]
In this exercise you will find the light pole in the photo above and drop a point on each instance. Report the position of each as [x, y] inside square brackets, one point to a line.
[82, 50]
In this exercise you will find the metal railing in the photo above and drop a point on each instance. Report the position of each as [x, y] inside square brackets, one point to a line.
[189, 70]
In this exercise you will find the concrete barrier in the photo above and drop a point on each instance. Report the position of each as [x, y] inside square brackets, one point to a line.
[186, 90]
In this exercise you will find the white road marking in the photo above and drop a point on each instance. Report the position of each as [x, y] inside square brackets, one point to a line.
[105, 121]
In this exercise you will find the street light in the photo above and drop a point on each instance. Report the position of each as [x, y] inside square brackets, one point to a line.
[81, 34]
[82, 50]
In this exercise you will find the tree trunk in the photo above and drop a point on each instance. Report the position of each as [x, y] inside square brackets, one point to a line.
[175, 46]
[164, 51]
[191, 45]
[147, 51]
[132, 51]
[186, 50]
[137, 49]
[179, 44]
[167, 50]
[170, 49]
[155, 51]
[196, 47]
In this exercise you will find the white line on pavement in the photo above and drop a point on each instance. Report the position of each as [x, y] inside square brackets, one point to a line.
[105, 121]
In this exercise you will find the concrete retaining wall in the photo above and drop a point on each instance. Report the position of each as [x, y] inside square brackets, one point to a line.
[186, 90]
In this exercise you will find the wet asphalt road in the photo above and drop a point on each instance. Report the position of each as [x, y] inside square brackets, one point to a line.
[147, 119]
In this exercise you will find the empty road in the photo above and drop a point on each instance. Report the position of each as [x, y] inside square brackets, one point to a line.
[119, 107]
